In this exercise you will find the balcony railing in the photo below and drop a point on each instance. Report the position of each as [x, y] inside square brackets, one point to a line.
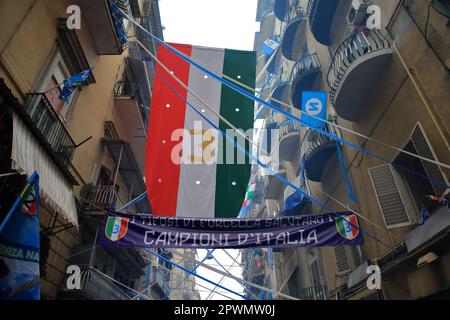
[316, 150]
[94, 286]
[280, 85]
[294, 34]
[313, 293]
[288, 127]
[98, 198]
[303, 76]
[289, 132]
[50, 127]
[368, 47]
[129, 89]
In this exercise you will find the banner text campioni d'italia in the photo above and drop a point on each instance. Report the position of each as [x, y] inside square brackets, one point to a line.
[146, 231]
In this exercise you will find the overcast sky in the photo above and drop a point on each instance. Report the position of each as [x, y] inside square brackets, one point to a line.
[212, 23]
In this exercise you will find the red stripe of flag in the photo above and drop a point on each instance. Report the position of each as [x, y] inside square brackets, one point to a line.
[162, 174]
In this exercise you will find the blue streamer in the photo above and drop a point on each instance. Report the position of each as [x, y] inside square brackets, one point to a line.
[287, 114]
[225, 269]
[197, 275]
[285, 181]
[348, 185]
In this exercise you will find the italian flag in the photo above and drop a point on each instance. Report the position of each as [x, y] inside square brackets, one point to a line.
[116, 228]
[203, 184]
[348, 226]
[249, 194]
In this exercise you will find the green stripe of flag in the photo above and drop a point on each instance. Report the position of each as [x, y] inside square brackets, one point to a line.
[110, 226]
[229, 197]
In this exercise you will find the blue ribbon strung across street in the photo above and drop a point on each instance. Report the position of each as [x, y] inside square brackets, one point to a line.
[239, 147]
[351, 195]
[287, 114]
[196, 275]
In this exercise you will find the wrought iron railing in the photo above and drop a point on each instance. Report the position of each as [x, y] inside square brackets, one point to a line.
[304, 65]
[287, 127]
[95, 198]
[95, 286]
[51, 127]
[313, 293]
[311, 8]
[127, 89]
[293, 14]
[314, 139]
[359, 44]
[280, 79]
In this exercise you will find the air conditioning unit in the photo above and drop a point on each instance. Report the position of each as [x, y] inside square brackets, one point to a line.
[357, 13]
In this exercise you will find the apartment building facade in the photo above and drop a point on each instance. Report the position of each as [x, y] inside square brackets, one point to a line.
[390, 83]
[88, 151]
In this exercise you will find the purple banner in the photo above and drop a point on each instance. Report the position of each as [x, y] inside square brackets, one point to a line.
[147, 231]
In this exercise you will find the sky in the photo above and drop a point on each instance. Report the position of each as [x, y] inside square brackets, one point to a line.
[222, 24]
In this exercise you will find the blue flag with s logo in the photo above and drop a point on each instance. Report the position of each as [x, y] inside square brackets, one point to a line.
[19, 246]
[314, 107]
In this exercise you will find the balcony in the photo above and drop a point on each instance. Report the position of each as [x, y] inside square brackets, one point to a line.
[313, 293]
[321, 16]
[357, 67]
[123, 158]
[98, 198]
[128, 102]
[317, 149]
[161, 282]
[294, 34]
[304, 75]
[127, 89]
[94, 286]
[51, 129]
[289, 132]
[106, 29]
[280, 89]
[274, 185]
[281, 8]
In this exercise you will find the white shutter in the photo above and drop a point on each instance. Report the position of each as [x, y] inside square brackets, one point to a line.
[390, 199]
[342, 262]
[424, 149]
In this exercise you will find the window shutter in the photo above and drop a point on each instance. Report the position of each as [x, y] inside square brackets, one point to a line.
[389, 198]
[341, 259]
[424, 149]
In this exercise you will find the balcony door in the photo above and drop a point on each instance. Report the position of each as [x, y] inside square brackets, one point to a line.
[53, 91]
[50, 81]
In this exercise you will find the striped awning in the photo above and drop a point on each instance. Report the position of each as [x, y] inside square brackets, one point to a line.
[28, 156]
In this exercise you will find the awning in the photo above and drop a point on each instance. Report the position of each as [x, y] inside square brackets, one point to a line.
[122, 155]
[295, 204]
[28, 156]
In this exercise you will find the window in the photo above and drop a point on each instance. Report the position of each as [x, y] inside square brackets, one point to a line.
[390, 200]
[342, 262]
[51, 83]
[400, 193]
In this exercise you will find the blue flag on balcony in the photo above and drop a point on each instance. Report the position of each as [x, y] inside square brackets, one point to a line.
[314, 104]
[270, 45]
[19, 246]
[74, 81]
